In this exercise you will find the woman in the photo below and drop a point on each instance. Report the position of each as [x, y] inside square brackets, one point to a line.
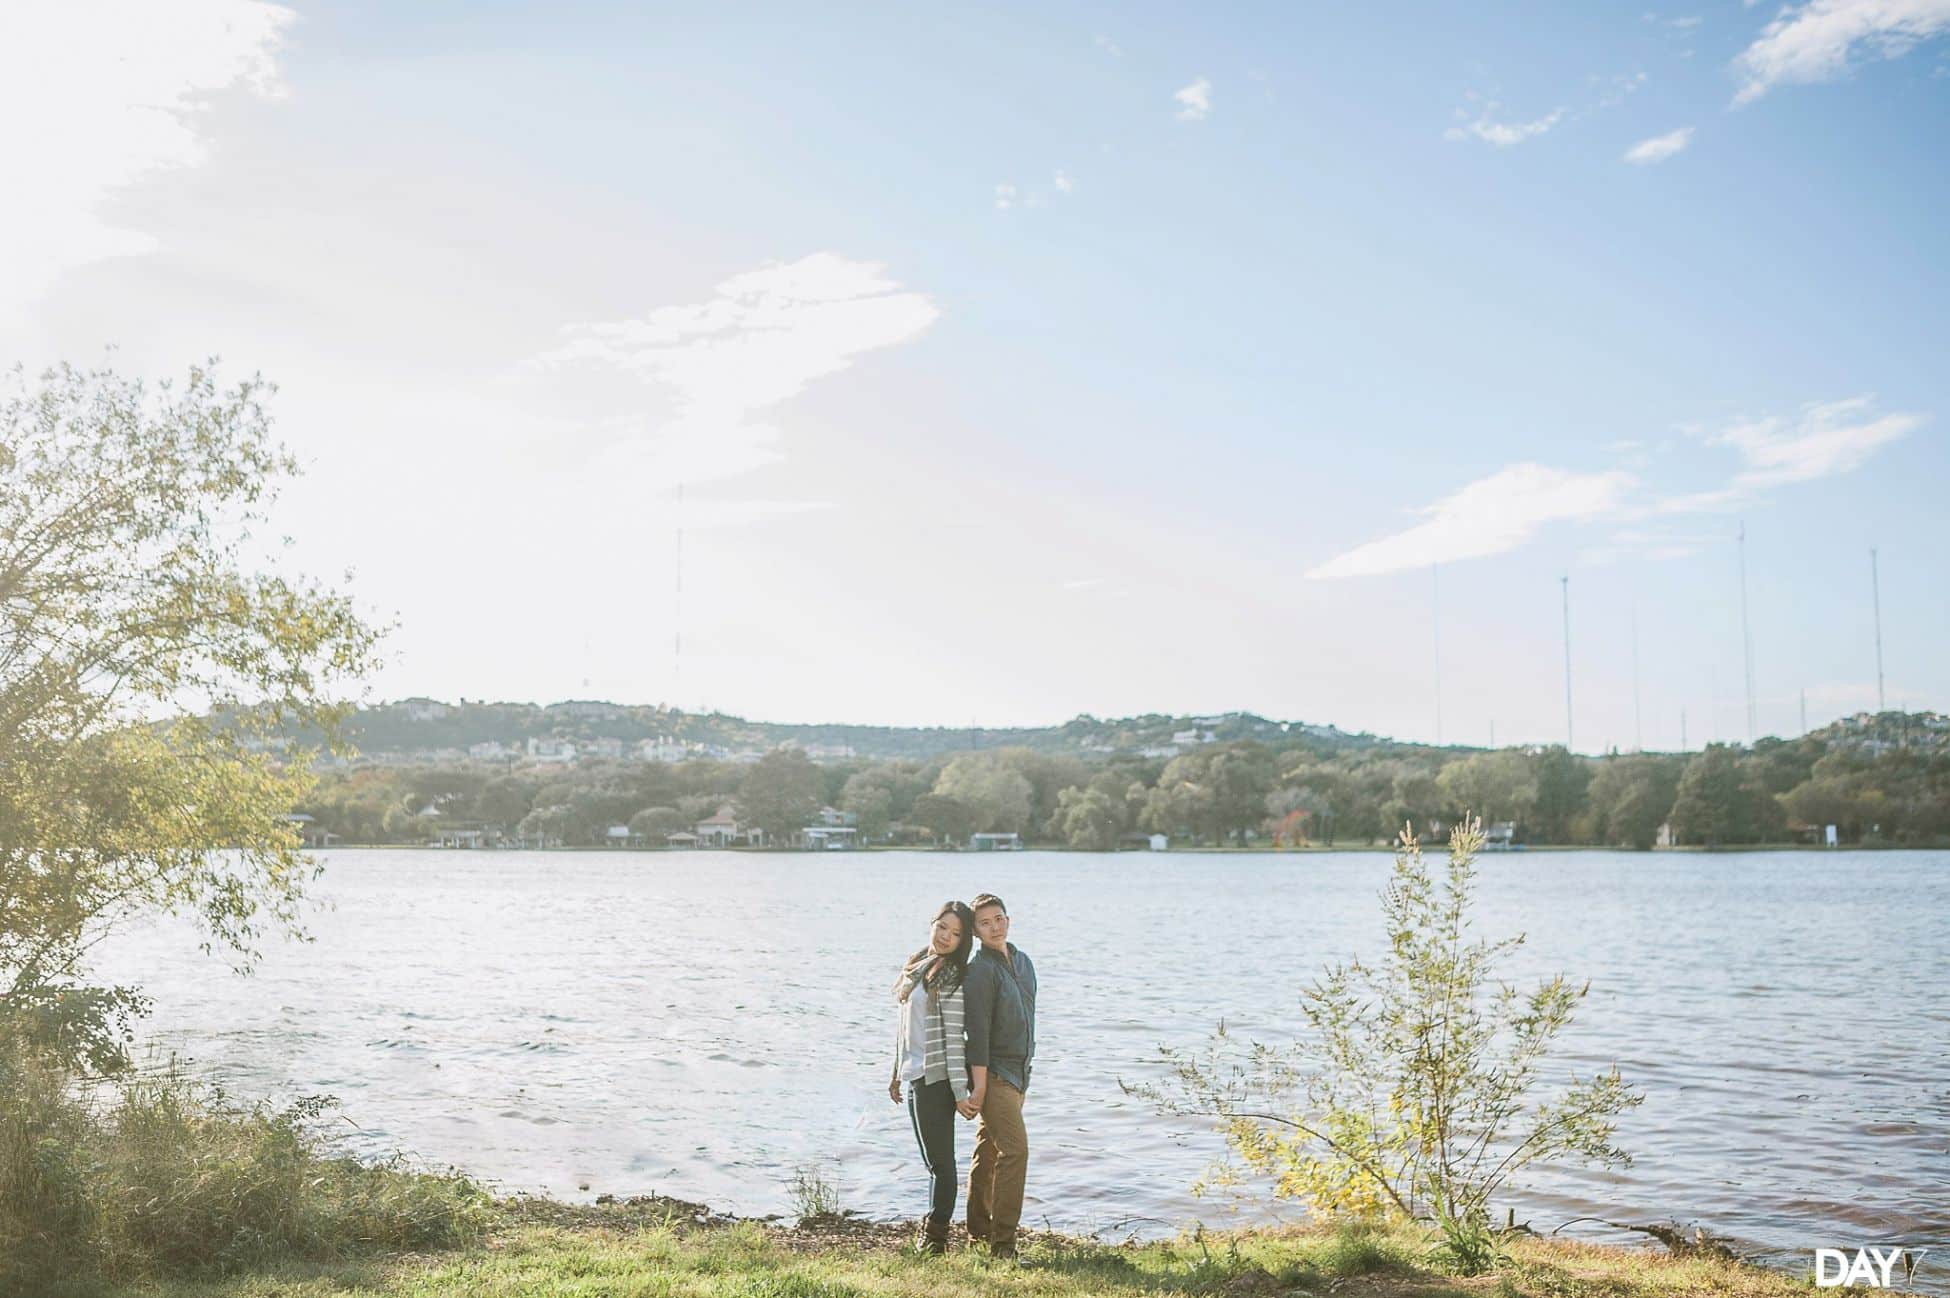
[929, 1056]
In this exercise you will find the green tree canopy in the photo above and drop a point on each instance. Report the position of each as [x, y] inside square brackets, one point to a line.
[1631, 797]
[993, 787]
[1561, 780]
[149, 675]
[1090, 819]
[1721, 802]
[1493, 786]
[780, 793]
[944, 817]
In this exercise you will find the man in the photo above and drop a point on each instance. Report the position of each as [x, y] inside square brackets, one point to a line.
[1000, 1003]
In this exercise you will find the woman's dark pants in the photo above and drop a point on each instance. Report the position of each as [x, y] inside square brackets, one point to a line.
[931, 1106]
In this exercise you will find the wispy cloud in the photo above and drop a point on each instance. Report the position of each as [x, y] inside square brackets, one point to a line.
[1008, 194]
[1194, 101]
[1818, 41]
[116, 91]
[758, 341]
[1659, 147]
[1110, 47]
[1499, 513]
[1503, 134]
[1489, 516]
[1820, 441]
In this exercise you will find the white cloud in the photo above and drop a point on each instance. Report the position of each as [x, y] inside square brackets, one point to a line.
[1489, 516]
[1504, 134]
[1659, 147]
[1620, 88]
[1110, 47]
[763, 337]
[1816, 41]
[1005, 196]
[98, 95]
[1821, 441]
[1063, 182]
[1194, 101]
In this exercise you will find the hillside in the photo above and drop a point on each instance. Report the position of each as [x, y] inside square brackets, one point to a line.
[423, 729]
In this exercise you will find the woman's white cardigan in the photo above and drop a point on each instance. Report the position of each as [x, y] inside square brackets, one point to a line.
[947, 1057]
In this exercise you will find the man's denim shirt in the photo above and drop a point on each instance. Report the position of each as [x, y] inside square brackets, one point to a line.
[1001, 1015]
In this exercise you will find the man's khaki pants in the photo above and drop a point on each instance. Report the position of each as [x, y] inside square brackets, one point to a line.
[995, 1178]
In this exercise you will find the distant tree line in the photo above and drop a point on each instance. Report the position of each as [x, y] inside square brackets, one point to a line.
[1219, 794]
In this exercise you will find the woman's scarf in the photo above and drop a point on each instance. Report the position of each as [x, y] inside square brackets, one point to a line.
[926, 969]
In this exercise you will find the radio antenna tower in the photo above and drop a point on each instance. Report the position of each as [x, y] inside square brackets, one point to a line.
[1638, 717]
[677, 637]
[1747, 635]
[1875, 589]
[1564, 583]
[1435, 603]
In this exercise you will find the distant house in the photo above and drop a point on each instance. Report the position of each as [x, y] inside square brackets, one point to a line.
[1191, 737]
[424, 709]
[551, 750]
[309, 832]
[827, 752]
[620, 836]
[604, 746]
[681, 839]
[464, 834]
[831, 838]
[663, 749]
[1159, 842]
[489, 750]
[988, 841]
[834, 818]
[722, 830]
[1500, 837]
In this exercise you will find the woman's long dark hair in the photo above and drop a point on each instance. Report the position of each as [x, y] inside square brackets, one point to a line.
[943, 974]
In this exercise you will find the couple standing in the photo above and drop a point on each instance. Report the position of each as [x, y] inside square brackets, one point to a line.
[967, 1033]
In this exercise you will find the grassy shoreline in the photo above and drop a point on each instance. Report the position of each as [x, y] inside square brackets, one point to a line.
[664, 1248]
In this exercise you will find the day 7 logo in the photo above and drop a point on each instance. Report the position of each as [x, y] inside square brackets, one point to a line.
[1871, 1267]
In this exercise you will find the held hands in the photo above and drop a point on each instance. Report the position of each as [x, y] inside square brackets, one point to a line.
[969, 1107]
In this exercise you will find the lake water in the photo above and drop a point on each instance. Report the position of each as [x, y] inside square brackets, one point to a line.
[701, 1024]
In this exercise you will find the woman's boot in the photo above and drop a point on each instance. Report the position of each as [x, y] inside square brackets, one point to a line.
[934, 1238]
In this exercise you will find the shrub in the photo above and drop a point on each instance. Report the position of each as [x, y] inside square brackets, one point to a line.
[812, 1194]
[164, 1176]
[1416, 1092]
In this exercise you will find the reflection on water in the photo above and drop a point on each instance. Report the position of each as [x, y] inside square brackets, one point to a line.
[701, 1023]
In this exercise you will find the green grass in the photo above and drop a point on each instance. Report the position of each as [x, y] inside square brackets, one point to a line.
[747, 1260]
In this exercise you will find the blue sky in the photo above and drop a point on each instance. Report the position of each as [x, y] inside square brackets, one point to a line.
[1041, 359]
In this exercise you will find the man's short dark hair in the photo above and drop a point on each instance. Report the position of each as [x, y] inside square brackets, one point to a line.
[987, 899]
